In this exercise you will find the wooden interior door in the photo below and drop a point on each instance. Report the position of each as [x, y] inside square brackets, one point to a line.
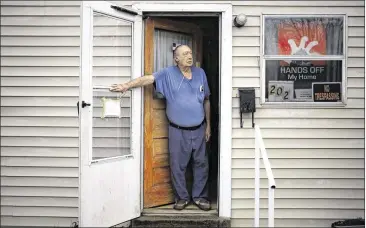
[157, 185]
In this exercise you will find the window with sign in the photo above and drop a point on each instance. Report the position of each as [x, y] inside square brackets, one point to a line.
[303, 58]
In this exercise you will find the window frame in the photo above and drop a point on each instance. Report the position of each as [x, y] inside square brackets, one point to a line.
[263, 58]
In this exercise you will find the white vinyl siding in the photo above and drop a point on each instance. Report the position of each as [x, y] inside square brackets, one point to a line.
[40, 48]
[316, 153]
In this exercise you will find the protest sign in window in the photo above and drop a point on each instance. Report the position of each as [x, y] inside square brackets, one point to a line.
[301, 52]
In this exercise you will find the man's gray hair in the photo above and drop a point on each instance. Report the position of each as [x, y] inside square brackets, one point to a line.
[175, 52]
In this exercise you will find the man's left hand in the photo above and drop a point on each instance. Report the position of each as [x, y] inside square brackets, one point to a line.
[208, 133]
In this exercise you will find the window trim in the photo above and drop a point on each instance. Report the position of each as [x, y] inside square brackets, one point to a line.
[263, 58]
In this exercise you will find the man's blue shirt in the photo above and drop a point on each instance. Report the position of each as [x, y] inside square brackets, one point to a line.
[184, 97]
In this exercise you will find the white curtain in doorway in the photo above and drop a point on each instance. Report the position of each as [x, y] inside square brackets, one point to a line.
[163, 47]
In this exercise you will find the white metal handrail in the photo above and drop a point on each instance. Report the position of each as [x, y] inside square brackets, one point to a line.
[260, 151]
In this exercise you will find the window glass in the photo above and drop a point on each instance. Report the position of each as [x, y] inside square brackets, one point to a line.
[112, 45]
[303, 57]
[296, 77]
[304, 36]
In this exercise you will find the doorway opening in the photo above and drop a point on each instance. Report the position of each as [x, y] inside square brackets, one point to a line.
[162, 32]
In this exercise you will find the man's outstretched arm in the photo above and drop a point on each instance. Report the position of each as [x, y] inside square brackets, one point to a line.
[138, 82]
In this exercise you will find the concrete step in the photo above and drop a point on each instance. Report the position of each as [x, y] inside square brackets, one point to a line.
[150, 221]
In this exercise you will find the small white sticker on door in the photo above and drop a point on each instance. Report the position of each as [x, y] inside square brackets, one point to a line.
[111, 107]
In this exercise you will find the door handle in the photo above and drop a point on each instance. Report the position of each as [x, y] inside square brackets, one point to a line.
[83, 104]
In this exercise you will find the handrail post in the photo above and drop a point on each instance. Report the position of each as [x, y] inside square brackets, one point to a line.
[270, 206]
[261, 152]
[256, 181]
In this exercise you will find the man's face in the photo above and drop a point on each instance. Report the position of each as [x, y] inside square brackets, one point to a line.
[184, 56]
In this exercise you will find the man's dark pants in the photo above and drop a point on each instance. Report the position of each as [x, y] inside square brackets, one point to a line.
[182, 145]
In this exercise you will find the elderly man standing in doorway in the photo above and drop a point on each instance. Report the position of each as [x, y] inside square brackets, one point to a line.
[186, 91]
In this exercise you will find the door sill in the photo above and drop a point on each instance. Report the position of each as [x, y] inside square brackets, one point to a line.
[191, 209]
[181, 221]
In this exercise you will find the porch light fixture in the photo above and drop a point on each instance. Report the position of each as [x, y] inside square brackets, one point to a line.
[240, 20]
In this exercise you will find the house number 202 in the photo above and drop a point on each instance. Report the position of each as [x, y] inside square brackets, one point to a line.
[279, 91]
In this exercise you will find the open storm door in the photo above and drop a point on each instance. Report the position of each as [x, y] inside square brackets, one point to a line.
[110, 122]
